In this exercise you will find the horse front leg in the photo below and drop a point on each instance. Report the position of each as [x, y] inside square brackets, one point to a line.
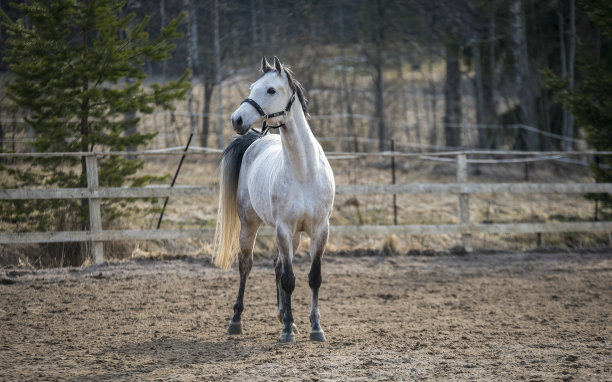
[317, 247]
[284, 241]
[278, 270]
[245, 263]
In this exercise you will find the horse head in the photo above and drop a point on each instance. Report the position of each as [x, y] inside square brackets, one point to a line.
[270, 99]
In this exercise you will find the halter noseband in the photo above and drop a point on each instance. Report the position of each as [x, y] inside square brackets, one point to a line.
[265, 127]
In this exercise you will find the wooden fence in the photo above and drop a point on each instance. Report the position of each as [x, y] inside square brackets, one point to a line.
[96, 235]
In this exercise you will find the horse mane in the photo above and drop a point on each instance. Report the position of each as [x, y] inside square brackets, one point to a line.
[295, 85]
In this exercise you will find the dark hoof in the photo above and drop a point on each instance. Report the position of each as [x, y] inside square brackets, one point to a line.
[234, 328]
[287, 337]
[317, 336]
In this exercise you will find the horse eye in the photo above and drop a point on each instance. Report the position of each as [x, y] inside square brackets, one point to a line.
[271, 91]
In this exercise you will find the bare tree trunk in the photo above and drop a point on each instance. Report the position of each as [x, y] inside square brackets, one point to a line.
[130, 116]
[428, 118]
[567, 144]
[597, 45]
[190, 55]
[165, 129]
[481, 119]
[14, 133]
[452, 96]
[208, 90]
[491, 87]
[433, 133]
[528, 140]
[84, 125]
[255, 42]
[162, 16]
[262, 30]
[350, 123]
[417, 111]
[378, 79]
[402, 93]
[194, 36]
[561, 21]
[1, 134]
[221, 142]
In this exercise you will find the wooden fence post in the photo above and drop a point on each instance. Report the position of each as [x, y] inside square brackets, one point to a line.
[95, 217]
[464, 203]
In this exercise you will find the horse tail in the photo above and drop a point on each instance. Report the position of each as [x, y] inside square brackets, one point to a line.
[227, 233]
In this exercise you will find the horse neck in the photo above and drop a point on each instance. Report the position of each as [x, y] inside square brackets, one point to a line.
[299, 145]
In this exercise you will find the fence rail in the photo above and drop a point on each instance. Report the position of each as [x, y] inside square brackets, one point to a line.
[352, 189]
[96, 236]
[411, 229]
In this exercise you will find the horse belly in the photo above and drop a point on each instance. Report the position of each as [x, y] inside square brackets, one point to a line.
[258, 168]
[258, 184]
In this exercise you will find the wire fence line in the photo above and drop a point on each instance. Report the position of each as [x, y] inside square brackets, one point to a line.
[465, 125]
[343, 116]
[462, 188]
[441, 156]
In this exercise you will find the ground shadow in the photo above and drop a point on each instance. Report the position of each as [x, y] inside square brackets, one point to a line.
[143, 359]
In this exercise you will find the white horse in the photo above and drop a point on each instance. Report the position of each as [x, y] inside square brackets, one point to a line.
[282, 180]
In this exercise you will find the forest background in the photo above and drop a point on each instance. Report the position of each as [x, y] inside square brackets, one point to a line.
[427, 75]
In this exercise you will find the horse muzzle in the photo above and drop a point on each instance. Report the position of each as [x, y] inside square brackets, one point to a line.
[239, 125]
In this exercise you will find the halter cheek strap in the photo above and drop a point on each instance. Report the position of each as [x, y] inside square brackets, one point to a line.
[265, 127]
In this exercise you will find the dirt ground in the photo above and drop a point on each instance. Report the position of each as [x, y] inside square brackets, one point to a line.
[535, 316]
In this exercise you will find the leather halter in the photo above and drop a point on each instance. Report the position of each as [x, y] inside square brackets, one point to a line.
[265, 127]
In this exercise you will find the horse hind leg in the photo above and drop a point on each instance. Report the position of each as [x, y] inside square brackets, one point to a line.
[317, 247]
[245, 263]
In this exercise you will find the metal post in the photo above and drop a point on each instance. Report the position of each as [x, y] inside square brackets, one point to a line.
[464, 204]
[161, 215]
[95, 217]
[393, 182]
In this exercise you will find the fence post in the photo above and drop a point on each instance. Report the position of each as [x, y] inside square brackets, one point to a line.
[393, 182]
[464, 203]
[95, 217]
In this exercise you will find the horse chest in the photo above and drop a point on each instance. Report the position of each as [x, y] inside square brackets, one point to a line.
[303, 203]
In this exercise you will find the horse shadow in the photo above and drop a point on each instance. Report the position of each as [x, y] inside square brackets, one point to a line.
[141, 359]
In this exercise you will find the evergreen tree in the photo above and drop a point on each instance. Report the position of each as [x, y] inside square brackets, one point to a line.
[77, 70]
[591, 100]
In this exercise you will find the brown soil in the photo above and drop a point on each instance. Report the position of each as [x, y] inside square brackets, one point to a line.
[486, 316]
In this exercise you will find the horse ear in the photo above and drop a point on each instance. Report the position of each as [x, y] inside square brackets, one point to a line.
[278, 66]
[264, 64]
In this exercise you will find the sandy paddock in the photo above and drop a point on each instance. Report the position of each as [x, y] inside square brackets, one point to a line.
[506, 316]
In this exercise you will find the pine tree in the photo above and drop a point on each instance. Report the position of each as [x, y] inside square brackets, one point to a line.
[591, 99]
[77, 69]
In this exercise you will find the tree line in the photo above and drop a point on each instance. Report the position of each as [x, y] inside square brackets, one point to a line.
[497, 58]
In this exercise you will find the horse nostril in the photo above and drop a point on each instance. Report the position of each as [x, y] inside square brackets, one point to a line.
[239, 121]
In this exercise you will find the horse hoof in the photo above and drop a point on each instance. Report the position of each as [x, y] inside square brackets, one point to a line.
[234, 328]
[287, 337]
[317, 336]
